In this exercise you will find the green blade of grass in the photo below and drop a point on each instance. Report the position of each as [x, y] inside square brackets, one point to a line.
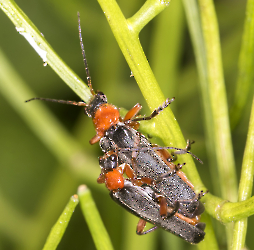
[245, 66]
[194, 24]
[246, 184]
[168, 36]
[93, 219]
[218, 102]
[58, 229]
[218, 99]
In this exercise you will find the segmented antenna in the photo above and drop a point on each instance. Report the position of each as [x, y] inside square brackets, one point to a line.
[59, 101]
[88, 77]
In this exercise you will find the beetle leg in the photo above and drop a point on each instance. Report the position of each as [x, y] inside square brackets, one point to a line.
[185, 150]
[199, 207]
[101, 178]
[156, 111]
[182, 175]
[140, 228]
[132, 112]
[166, 157]
[95, 139]
[163, 207]
[193, 221]
[128, 119]
[173, 210]
[201, 194]
[166, 211]
[126, 168]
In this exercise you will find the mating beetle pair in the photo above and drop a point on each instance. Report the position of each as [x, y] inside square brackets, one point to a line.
[165, 199]
[165, 192]
[149, 166]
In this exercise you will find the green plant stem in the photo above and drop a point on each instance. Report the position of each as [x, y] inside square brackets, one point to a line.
[193, 21]
[237, 210]
[220, 121]
[222, 137]
[58, 229]
[26, 28]
[146, 13]
[169, 37]
[246, 181]
[239, 235]
[126, 33]
[246, 185]
[128, 41]
[93, 219]
[47, 210]
[245, 66]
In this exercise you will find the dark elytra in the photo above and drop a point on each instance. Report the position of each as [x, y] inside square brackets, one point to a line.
[139, 202]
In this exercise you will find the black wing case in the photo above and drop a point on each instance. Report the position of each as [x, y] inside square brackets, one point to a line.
[138, 201]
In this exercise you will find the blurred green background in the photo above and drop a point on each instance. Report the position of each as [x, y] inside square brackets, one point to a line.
[34, 186]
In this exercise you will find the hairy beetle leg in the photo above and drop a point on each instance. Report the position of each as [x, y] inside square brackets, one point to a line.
[156, 111]
[165, 211]
[194, 221]
[140, 228]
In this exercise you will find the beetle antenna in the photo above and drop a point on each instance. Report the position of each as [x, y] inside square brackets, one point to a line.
[59, 101]
[88, 77]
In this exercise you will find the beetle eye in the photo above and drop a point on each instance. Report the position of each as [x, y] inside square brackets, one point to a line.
[102, 96]
[113, 161]
[113, 157]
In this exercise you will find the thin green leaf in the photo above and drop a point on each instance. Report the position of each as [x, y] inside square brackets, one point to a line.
[217, 98]
[93, 219]
[58, 229]
[246, 64]
[246, 184]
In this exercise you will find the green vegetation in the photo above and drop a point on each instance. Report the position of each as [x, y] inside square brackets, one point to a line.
[199, 52]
